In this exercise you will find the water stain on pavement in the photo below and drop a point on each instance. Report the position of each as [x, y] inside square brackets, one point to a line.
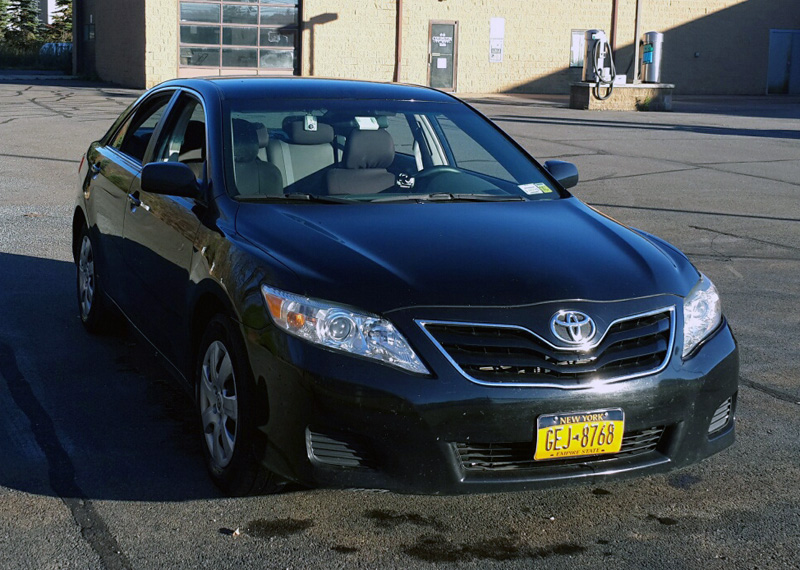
[438, 549]
[600, 492]
[265, 529]
[392, 519]
[344, 549]
[683, 481]
[667, 521]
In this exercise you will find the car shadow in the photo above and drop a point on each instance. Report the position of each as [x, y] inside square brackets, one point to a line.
[87, 417]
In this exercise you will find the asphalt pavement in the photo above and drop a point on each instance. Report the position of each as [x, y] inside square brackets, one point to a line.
[100, 463]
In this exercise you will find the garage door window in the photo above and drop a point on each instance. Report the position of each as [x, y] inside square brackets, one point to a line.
[245, 35]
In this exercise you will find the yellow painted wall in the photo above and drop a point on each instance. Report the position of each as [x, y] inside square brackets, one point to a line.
[355, 39]
[161, 35]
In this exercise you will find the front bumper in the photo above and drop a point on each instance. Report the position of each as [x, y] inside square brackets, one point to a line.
[335, 420]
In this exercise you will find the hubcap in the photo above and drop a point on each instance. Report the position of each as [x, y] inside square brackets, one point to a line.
[86, 280]
[219, 407]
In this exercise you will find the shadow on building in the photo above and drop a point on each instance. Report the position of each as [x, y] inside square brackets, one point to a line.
[725, 52]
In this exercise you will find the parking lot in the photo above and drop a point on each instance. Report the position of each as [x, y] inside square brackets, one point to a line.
[101, 465]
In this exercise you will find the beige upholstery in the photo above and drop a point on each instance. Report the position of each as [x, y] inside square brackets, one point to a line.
[304, 154]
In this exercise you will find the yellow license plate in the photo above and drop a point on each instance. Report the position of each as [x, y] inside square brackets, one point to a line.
[578, 434]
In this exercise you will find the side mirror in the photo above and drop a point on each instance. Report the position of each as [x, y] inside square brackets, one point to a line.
[170, 178]
[565, 173]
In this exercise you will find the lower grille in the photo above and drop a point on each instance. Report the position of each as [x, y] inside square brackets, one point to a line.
[512, 456]
[337, 450]
[721, 418]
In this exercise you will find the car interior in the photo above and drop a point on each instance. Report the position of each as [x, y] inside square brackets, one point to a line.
[352, 156]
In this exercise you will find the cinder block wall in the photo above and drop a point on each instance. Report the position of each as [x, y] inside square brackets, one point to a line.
[119, 40]
[161, 36]
[711, 46]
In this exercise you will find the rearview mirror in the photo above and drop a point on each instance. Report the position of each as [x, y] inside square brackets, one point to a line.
[564, 172]
[170, 178]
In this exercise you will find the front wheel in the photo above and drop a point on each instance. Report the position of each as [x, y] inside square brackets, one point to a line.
[226, 404]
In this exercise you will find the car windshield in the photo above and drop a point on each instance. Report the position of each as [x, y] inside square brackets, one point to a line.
[379, 151]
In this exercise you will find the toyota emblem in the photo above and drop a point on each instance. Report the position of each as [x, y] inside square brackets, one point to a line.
[573, 327]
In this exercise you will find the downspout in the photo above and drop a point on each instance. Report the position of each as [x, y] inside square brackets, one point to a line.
[614, 14]
[398, 40]
[636, 78]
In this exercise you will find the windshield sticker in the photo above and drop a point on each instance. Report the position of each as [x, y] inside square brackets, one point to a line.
[535, 188]
[367, 123]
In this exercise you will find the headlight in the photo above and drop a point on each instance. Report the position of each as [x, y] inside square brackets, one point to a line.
[702, 314]
[341, 328]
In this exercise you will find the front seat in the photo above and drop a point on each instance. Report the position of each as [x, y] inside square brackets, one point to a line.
[304, 153]
[253, 176]
[366, 156]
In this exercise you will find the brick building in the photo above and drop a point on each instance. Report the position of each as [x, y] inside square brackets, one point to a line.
[710, 46]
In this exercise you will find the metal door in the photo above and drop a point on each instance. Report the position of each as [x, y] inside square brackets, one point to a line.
[783, 75]
[442, 55]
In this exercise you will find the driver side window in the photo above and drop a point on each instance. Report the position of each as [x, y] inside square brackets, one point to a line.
[184, 137]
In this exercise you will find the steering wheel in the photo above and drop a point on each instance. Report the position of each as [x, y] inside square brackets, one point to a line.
[437, 169]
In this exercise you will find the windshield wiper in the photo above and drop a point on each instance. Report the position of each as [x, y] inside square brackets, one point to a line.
[295, 197]
[447, 197]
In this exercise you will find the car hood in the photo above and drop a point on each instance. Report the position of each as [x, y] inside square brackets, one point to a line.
[381, 257]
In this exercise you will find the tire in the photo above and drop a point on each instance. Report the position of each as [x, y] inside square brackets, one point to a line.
[225, 393]
[92, 304]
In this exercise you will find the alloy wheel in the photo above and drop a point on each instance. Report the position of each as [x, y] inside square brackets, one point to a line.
[86, 278]
[219, 407]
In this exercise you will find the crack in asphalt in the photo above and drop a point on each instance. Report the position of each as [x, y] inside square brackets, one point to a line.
[764, 389]
[61, 471]
[700, 212]
[67, 160]
[766, 242]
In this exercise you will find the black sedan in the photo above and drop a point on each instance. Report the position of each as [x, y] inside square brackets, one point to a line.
[370, 285]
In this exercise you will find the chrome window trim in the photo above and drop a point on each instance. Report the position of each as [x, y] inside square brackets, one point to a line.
[423, 323]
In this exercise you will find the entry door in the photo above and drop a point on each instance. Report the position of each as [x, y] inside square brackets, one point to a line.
[784, 62]
[442, 55]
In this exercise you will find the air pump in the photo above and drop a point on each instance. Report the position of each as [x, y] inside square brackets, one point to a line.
[594, 63]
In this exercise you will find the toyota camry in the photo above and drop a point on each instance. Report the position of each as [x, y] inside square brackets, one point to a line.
[370, 285]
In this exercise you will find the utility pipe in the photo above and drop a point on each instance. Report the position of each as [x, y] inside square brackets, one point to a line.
[614, 14]
[636, 78]
[398, 41]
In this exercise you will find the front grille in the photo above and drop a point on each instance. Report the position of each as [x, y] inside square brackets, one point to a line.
[337, 450]
[721, 418]
[502, 354]
[513, 456]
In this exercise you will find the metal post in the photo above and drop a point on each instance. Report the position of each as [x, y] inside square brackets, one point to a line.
[636, 78]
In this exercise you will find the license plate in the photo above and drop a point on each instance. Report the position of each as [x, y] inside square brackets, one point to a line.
[578, 434]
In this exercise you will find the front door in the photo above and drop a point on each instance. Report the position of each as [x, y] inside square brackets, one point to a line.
[442, 55]
[159, 232]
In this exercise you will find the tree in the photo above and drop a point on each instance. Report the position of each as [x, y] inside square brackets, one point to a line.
[24, 27]
[61, 28]
[3, 18]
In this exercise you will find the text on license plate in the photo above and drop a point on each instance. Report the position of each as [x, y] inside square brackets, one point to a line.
[577, 434]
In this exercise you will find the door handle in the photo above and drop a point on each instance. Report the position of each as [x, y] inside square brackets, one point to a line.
[137, 203]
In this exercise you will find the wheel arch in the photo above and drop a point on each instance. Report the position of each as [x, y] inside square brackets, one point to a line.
[210, 300]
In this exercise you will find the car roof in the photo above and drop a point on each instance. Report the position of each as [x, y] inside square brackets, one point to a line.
[310, 88]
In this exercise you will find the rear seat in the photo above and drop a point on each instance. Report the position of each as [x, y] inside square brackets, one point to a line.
[305, 153]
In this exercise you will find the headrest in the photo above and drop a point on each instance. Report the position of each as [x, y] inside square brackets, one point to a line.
[298, 135]
[263, 134]
[194, 138]
[368, 149]
[245, 141]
